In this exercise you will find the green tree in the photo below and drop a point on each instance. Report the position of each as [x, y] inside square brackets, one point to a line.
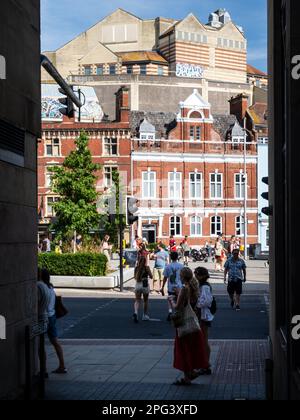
[75, 183]
[112, 223]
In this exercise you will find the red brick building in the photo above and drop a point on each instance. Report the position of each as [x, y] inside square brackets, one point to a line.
[190, 177]
[110, 145]
[187, 170]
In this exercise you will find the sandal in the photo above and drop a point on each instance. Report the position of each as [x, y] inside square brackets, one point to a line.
[60, 371]
[182, 382]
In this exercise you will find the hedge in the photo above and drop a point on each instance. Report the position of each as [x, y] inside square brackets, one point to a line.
[80, 264]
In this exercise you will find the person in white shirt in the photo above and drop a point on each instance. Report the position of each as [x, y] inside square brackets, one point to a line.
[52, 328]
[203, 308]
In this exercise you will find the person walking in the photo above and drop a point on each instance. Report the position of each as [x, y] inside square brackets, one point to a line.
[172, 277]
[161, 258]
[219, 252]
[142, 289]
[203, 309]
[46, 244]
[235, 268]
[106, 249]
[186, 251]
[189, 353]
[52, 329]
[172, 244]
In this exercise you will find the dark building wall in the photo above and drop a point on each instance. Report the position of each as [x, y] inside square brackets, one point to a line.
[284, 100]
[19, 119]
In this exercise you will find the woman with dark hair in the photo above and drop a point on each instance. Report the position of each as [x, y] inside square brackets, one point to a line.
[142, 288]
[52, 329]
[203, 308]
[190, 352]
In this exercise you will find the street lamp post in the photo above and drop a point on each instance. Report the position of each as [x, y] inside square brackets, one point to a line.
[245, 194]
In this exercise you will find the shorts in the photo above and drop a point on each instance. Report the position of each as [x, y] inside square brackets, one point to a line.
[158, 274]
[139, 288]
[235, 287]
[52, 329]
[186, 253]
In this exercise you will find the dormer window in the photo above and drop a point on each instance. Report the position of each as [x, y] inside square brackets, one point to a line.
[147, 131]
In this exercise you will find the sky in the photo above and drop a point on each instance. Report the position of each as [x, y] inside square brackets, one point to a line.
[62, 20]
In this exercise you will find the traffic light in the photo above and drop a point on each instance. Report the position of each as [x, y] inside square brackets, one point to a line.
[131, 210]
[266, 210]
[68, 108]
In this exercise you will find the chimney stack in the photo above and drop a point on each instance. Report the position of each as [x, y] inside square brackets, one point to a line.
[239, 106]
[122, 104]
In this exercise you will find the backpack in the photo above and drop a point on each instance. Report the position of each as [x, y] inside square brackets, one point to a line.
[214, 307]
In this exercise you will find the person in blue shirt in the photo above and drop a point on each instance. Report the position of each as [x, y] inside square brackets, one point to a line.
[161, 258]
[172, 276]
[235, 267]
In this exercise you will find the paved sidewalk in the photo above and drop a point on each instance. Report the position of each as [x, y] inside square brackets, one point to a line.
[257, 282]
[142, 370]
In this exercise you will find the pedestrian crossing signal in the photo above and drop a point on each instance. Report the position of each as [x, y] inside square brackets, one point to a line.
[266, 210]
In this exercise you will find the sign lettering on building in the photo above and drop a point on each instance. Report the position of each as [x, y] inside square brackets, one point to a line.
[2, 68]
[189, 70]
[296, 327]
[2, 328]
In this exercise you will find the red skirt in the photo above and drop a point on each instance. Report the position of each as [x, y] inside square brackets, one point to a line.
[190, 352]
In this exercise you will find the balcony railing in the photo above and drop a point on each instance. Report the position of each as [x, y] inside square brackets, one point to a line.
[186, 146]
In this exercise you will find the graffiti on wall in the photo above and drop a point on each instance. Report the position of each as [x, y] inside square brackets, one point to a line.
[189, 70]
[90, 112]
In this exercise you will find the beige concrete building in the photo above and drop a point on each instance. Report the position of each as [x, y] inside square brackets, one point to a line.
[161, 60]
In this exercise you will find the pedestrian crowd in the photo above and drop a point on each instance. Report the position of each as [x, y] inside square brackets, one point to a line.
[191, 303]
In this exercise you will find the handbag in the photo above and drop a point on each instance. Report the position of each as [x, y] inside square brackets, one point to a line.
[60, 309]
[190, 322]
[177, 319]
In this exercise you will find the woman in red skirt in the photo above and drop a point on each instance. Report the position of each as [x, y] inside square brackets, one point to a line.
[190, 351]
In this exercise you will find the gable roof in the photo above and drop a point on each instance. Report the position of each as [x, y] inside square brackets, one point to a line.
[142, 56]
[147, 127]
[258, 112]
[97, 48]
[195, 100]
[253, 70]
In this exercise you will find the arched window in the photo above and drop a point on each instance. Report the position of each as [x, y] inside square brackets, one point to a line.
[196, 115]
[175, 226]
[216, 225]
[196, 226]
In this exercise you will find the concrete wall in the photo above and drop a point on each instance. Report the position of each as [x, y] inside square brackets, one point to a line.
[20, 108]
[156, 93]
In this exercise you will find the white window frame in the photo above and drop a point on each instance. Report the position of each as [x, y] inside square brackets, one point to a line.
[53, 145]
[107, 142]
[215, 223]
[192, 133]
[176, 183]
[52, 212]
[149, 185]
[195, 223]
[195, 183]
[175, 222]
[239, 184]
[216, 183]
[239, 226]
[105, 168]
[48, 181]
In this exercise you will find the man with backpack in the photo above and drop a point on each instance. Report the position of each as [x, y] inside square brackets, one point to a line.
[172, 276]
